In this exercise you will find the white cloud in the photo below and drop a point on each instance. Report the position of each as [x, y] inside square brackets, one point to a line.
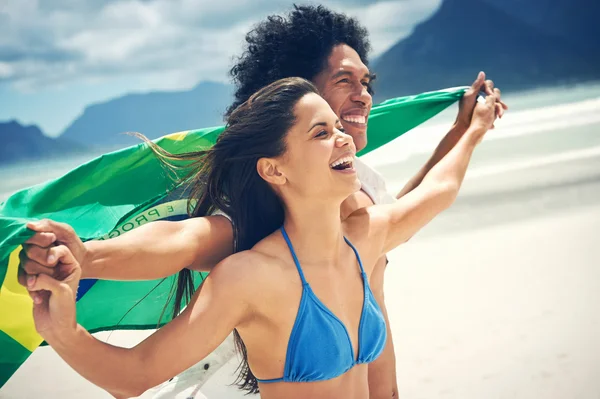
[6, 70]
[164, 44]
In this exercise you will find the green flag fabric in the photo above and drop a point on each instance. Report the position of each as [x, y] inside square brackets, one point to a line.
[118, 192]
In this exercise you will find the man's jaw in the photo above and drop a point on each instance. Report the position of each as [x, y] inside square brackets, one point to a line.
[356, 130]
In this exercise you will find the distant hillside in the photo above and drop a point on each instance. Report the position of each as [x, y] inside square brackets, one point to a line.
[153, 114]
[21, 143]
[575, 21]
[466, 36]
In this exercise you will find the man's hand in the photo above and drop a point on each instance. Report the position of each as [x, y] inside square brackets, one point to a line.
[45, 252]
[54, 298]
[469, 99]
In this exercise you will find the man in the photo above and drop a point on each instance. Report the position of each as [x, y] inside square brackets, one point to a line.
[312, 42]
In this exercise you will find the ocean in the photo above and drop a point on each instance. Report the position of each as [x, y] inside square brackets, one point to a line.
[540, 123]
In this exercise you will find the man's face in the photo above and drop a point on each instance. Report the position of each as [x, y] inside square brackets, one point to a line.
[344, 84]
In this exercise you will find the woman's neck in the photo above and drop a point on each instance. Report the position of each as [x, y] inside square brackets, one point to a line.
[315, 231]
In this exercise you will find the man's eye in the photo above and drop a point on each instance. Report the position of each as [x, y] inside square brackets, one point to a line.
[344, 81]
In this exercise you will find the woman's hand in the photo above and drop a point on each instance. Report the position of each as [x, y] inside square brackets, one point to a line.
[469, 100]
[484, 115]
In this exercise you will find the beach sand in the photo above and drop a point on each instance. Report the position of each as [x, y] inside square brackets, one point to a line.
[509, 311]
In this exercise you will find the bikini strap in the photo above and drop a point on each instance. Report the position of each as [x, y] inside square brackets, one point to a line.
[289, 243]
[362, 270]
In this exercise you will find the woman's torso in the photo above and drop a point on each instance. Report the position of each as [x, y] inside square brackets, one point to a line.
[276, 303]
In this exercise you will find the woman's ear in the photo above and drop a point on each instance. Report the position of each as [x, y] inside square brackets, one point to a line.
[267, 168]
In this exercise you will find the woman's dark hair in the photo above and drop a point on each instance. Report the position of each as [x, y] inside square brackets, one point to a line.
[225, 178]
[298, 44]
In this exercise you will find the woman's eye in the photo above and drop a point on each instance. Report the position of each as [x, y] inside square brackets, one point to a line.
[321, 133]
[341, 129]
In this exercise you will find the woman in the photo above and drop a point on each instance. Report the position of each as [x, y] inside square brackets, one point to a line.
[298, 291]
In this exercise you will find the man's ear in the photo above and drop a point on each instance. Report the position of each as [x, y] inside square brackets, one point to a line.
[268, 169]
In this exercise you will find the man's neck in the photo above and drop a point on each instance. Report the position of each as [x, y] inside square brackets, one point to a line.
[354, 202]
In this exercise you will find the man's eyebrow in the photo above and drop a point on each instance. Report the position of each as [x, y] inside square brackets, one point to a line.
[339, 74]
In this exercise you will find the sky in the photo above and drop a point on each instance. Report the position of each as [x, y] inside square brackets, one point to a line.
[58, 56]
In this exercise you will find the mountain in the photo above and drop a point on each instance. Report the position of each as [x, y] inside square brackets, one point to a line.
[466, 36]
[21, 143]
[575, 21]
[152, 114]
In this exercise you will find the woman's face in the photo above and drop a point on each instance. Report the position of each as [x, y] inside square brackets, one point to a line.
[319, 159]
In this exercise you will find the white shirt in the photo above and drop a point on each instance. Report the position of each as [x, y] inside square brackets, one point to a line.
[372, 183]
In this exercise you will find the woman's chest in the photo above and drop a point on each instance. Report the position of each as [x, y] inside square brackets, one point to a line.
[302, 324]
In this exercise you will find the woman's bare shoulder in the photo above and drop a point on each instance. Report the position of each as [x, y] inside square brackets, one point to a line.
[258, 266]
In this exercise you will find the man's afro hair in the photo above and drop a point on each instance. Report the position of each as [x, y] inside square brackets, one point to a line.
[297, 44]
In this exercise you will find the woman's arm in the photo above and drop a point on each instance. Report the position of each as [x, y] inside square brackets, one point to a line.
[213, 313]
[443, 148]
[151, 251]
[439, 188]
[463, 119]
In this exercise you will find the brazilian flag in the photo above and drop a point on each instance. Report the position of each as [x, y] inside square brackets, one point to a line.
[116, 193]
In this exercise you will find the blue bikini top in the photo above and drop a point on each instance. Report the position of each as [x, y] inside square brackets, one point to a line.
[320, 347]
